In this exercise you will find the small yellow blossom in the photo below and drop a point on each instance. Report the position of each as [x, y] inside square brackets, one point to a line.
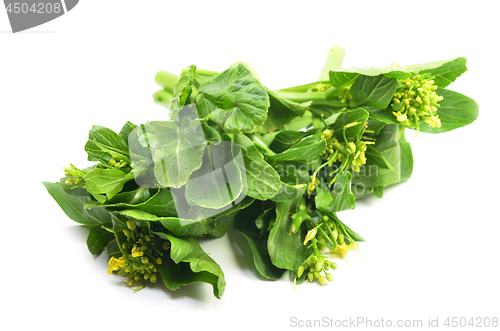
[399, 116]
[115, 264]
[434, 121]
[136, 252]
[310, 234]
[343, 249]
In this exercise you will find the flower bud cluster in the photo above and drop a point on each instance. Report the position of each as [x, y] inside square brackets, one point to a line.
[314, 266]
[416, 99]
[117, 163]
[143, 253]
[333, 146]
[344, 94]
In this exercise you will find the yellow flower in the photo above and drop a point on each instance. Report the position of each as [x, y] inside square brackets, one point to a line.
[400, 117]
[310, 234]
[434, 121]
[115, 264]
[136, 251]
[343, 249]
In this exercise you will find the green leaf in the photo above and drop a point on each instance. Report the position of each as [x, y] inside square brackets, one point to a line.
[374, 157]
[445, 71]
[72, 206]
[101, 140]
[189, 251]
[177, 226]
[177, 149]
[234, 99]
[283, 246]
[353, 235]
[106, 181]
[127, 130]
[307, 149]
[374, 91]
[323, 199]
[340, 79]
[337, 122]
[262, 180]
[244, 224]
[406, 156]
[160, 204]
[182, 92]
[219, 180]
[211, 134]
[455, 111]
[281, 111]
[285, 139]
[343, 198]
[99, 238]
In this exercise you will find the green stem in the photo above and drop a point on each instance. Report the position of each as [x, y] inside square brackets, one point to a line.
[166, 80]
[334, 59]
[259, 142]
[137, 195]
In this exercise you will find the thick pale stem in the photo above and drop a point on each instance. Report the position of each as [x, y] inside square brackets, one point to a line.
[334, 59]
[166, 80]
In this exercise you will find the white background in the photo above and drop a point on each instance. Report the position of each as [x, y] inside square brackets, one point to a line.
[432, 242]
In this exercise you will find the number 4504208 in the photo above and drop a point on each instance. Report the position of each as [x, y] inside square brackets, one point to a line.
[36, 8]
[471, 322]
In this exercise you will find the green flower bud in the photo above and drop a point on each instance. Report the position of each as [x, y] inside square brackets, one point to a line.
[144, 259]
[310, 277]
[152, 278]
[131, 225]
[126, 232]
[329, 277]
[300, 271]
[146, 276]
[319, 266]
[322, 280]
[165, 245]
[313, 260]
[333, 265]
[316, 275]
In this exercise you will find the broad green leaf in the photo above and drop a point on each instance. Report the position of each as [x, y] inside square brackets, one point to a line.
[374, 91]
[244, 224]
[299, 123]
[307, 149]
[177, 149]
[234, 99]
[72, 206]
[285, 139]
[444, 72]
[262, 180]
[281, 111]
[177, 226]
[343, 198]
[106, 181]
[382, 115]
[374, 157]
[160, 204]
[189, 251]
[107, 139]
[340, 79]
[283, 246]
[99, 237]
[455, 111]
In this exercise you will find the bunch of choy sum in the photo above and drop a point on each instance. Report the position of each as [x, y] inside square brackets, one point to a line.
[278, 165]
